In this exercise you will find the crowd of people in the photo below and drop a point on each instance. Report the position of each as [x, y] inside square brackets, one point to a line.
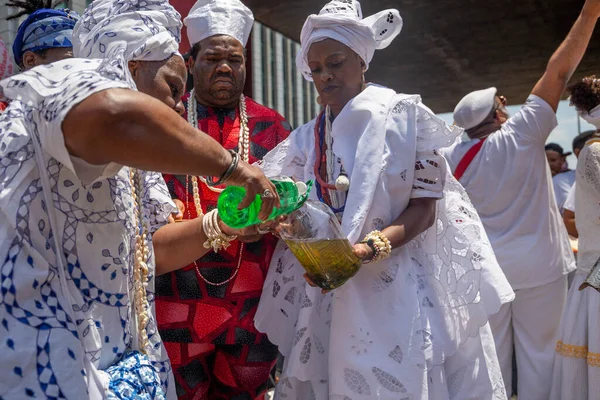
[119, 280]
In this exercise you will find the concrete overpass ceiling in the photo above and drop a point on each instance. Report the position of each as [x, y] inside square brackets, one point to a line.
[450, 47]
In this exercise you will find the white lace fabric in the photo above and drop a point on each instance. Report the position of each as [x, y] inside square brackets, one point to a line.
[587, 209]
[396, 319]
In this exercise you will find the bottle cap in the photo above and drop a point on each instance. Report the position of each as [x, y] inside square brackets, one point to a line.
[302, 188]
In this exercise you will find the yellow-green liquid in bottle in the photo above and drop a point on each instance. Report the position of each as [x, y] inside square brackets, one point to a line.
[328, 262]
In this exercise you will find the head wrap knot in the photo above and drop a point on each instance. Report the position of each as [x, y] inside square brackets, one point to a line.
[342, 20]
[150, 29]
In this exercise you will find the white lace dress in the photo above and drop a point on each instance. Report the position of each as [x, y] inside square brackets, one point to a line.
[577, 363]
[410, 327]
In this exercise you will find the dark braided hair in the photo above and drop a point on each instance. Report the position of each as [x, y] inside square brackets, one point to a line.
[30, 6]
[585, 94]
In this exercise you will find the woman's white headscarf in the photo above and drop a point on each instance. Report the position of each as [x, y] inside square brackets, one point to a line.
[150, 30]
[343, 21]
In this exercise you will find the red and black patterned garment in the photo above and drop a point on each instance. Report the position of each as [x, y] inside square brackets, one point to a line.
[208, 330]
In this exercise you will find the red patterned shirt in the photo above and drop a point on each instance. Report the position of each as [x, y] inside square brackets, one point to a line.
[188, 309]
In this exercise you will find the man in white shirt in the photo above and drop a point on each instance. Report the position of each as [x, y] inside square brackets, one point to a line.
[503, 167]
[562, 177]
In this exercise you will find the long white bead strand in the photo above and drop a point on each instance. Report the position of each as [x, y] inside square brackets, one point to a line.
[140, 269]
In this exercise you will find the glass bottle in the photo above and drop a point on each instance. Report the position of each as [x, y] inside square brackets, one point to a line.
[315, 236]
[292, 196]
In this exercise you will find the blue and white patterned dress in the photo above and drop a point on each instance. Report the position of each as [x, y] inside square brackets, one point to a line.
[45, 354]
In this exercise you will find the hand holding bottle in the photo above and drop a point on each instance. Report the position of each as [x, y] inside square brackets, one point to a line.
[291, 195]
[361, 250]
[255, 183]
[252, 233]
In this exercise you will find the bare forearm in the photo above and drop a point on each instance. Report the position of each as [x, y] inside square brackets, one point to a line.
[569, 54]
[130, 128]
[569, 219]
[565, 60]
[417, 218]
[179, 244]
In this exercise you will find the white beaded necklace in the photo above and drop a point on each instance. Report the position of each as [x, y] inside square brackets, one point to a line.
[140, 269]
[244, 152]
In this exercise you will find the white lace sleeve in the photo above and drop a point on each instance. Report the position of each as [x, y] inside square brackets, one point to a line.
[288, 158]
[430, 166]
[590, 157]
[430, 169]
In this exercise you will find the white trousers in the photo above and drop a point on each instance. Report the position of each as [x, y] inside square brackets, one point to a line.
[530, 323]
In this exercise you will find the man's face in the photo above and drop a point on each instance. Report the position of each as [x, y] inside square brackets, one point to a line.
[555, 160]
[219, 72]
[31, 59]
[502, 112]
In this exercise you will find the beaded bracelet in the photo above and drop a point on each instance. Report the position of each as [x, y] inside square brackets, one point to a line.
[235, 160]
[380, 245]
[215, 238]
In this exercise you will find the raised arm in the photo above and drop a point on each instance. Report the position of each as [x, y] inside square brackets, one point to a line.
[567, 57]
[130, 128]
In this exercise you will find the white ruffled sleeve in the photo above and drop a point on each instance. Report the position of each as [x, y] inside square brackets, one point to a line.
[289, 157]
[430, 166]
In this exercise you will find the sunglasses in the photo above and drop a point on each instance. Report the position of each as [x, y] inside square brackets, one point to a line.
[503, 100]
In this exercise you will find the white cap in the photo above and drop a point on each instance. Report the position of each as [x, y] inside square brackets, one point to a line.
[219, 17]
[474, 108]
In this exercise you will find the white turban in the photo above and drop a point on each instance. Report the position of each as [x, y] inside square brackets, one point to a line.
[150, 29]
[592, 117]
[219, 17]
[342, 20]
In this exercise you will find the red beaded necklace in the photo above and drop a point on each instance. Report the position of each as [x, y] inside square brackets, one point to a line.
[320, 157]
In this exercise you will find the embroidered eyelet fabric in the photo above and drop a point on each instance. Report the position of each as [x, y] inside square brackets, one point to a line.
[577, 362]
[134, 378]
[386, 329]
[47, 354]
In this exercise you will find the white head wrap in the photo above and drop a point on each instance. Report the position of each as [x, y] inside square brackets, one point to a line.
[592, 117]
[342, 20]
[151, 29]
[219, 17]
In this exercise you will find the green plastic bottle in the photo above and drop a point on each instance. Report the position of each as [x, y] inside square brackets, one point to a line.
[292, 196]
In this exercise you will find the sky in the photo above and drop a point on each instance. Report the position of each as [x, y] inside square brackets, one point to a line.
[564, 132]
